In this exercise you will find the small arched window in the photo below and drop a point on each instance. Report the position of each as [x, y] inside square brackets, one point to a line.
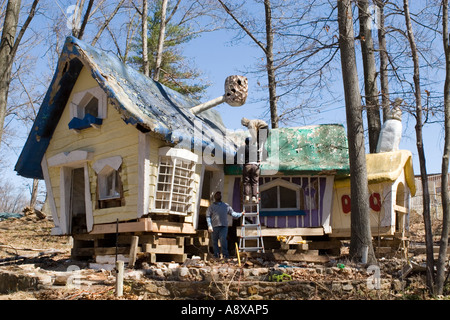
[280, 195]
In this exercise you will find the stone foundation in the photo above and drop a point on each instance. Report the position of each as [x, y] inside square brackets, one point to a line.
[256, 290]
[12, 282]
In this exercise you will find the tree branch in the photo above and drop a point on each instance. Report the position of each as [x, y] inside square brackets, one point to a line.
[24, 27]
[107, 21]
[259, 43]
[85, 19]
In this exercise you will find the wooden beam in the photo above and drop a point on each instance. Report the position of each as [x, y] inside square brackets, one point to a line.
[102, 251]
[296, 257]
[172, 227]
[145, 225]
[204, 203]
[400, 209]
[274, 232]
[324, 245]
[141, 225]
[163, 248]
[133, 251]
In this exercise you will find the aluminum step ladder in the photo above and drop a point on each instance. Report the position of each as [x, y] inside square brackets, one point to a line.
[251, 239]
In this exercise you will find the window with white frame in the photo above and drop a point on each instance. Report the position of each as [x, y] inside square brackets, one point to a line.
[295, 193]
[280, 195]
[109, 182]
[174, 187]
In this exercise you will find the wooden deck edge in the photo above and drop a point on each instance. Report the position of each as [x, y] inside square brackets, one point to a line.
[144, 225]
[274, 232]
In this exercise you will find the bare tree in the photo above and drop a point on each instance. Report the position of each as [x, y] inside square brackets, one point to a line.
[122, 34]
[440, 266]
[76, 17]
[80, 32]
[182, 23]
[270, 65]
[267, 48]
[162, 32]
[361, 248]
[8, 49]
[370, 74]
[384, 79]
[107, 21]
[420, 149]
[299, 49]
[11, 199]
[145, 62]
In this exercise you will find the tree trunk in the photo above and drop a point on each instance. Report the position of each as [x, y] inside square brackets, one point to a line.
[160, 49]
[77, 18]
[270, 66]
[268, 52]
[384, 82]
[145, 63]
[361, 248]
[440, 275]
[420, 149]
[7, 53]
[107, 21]
[85, 19]
[34, 193]
[370, 75]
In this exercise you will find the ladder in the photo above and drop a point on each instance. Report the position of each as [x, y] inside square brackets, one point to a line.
[251, 239]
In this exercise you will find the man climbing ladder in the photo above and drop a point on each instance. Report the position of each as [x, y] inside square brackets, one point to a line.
[251, 226]
[251, 238]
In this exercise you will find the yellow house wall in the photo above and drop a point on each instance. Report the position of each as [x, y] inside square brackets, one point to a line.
[113, 138]
[380, 221]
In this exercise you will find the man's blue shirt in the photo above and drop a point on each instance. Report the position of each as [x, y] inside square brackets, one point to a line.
[217, 214]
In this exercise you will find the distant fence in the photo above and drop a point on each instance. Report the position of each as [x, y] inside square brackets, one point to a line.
[434, 187]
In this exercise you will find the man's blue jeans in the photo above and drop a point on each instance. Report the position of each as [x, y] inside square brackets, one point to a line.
[220, 233]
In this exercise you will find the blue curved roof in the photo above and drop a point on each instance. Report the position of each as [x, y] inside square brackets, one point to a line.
[142, 102]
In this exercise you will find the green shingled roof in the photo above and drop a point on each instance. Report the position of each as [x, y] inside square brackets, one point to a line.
[318, 149]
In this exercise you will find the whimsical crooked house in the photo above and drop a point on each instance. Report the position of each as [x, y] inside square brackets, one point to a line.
[121, 153]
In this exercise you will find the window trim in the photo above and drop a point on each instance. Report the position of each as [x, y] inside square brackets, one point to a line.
[281, 183]
[79, 117]
[115, 164]
[304, 218]
[103, 184]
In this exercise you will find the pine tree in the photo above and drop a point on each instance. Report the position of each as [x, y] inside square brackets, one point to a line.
[176, 73]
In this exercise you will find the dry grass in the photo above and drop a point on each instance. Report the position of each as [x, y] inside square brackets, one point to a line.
[29, 236]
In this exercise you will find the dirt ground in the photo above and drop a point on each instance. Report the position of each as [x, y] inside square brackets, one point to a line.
[26, 242]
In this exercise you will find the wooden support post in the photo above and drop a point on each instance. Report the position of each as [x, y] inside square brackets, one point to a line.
[119, 278]
[133, 250]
